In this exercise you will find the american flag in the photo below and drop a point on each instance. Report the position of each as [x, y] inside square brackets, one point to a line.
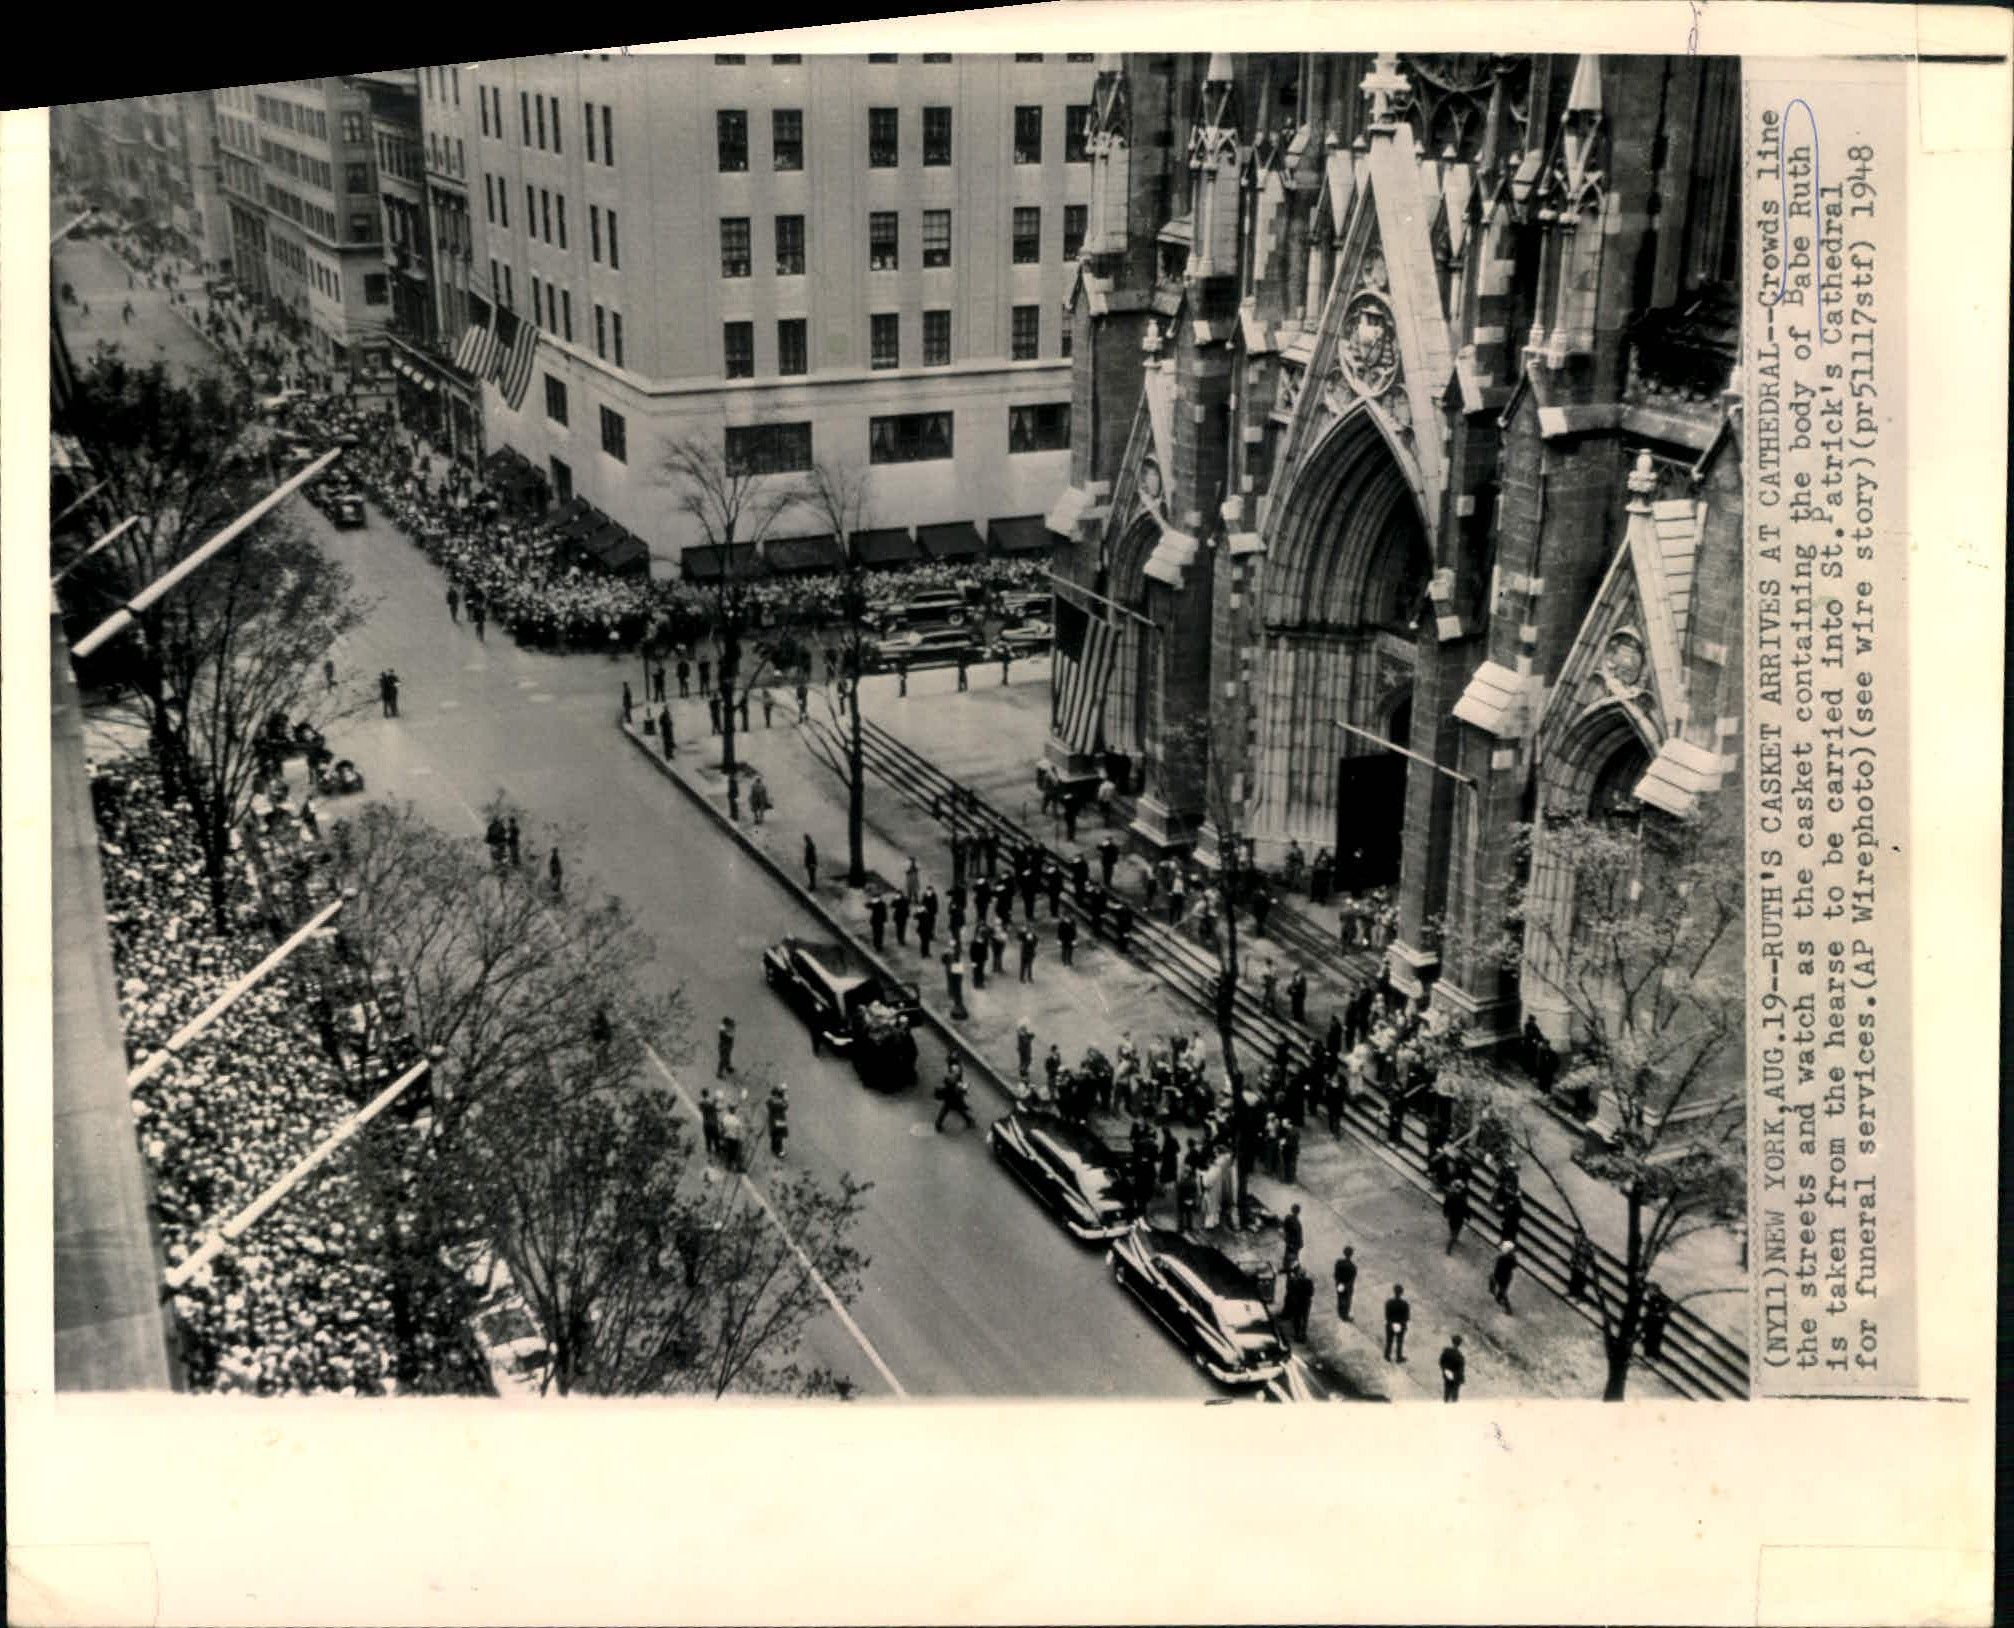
[1085, 647]
[477, 353]
[513, 367]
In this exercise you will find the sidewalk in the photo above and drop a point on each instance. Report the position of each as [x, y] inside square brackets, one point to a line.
[990, 740]
[1349, 1193]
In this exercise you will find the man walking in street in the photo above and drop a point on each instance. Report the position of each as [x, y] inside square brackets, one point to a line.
[1454, 1369]
[768, 706]
[723, 1057]
[1024, 1048]
[810, 864]
[1398, 1313]
[454, 604]
[628, 704]
[951, 1094]
[1502, 1270]
[803, 702]
[1346, 1282]
[388, 691]
[963, 661]
[664, 736]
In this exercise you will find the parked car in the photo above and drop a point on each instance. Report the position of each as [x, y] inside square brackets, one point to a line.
[1022, 606]
[937, 646]
[1210, 1304]
[1068, 1167]
[931, 607]
[1026, 639]
[849, 1006]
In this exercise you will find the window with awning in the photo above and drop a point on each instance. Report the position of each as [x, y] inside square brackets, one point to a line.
[785, 555]
[1020, 534]
[888, 545]
[709, 562]
[954, 540]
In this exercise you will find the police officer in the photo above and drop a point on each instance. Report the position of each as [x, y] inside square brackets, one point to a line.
[1052, 884]
[877, 919]
[1454, 1369]
[1066, 939]
[926, 921]
[1346, 1281]
[901, 919]
[1027, 955]
[1300, 1301]
[1398, 1314]
[1024, 1048]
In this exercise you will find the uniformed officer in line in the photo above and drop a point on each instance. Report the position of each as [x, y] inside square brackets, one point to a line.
[1454, 1369]
[1346, 1282]
[1066, 938]
[1398, 1314]
[1027, 955]
[901, 908]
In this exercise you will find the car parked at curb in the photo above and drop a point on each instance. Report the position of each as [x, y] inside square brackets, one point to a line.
[1024, 639]
[1068, 1168]
[1210, 1304]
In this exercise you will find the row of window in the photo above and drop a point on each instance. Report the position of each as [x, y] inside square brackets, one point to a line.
[363, 225]
[453, 161]
[884, 347]
[534, 125]
[309, 121]
[315, 171]
[440, 80]
[545, 210]
[884, 137]
[614, 428]
[884, 228]
[552, 309]
[397, 156]
[899, 438]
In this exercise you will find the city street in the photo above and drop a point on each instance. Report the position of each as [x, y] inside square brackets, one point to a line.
[972, 1290]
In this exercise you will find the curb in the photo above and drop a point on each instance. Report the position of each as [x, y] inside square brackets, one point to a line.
[943, 1026]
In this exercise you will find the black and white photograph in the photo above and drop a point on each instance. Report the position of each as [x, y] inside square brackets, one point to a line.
[841, 729]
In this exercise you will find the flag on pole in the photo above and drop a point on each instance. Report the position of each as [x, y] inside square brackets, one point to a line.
[513, 366]
[1085, 648]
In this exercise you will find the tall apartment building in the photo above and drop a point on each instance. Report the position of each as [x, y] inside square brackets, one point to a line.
[845, 258]
[435, 393]
[1408, 428]
[299, 176]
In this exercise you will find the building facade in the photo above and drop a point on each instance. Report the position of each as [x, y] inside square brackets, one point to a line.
[155, 158]
[840, 258]
[299, 179]
[1406, 453]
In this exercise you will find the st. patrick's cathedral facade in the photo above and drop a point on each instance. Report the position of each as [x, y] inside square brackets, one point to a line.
[1406, 465]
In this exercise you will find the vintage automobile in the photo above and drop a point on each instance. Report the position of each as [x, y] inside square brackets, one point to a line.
[1203, 1298]
[345, 507]
[1067, 1167]
[1022, 606]
[1024, 639]
[849, 1006]
[919, 647]
[931, 607]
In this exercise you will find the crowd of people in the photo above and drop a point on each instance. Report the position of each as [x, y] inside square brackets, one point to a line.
[303, 1302]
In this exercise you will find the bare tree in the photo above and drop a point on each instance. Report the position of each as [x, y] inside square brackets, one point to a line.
[644, 1270]
[840, 494]
[735, 505]
[1637, 926]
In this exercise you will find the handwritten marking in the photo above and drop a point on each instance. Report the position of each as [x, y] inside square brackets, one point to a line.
[1783, 195]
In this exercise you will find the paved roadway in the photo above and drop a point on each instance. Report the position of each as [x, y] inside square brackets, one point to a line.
[972, 1290]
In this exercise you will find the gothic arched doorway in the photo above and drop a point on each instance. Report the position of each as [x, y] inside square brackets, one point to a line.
[1130, 698]
[1346, 577]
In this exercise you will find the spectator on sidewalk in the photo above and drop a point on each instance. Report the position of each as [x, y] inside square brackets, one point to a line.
[1346, 1282]
[1454, 1369]
[1502, 1270]
[1398, 1314]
